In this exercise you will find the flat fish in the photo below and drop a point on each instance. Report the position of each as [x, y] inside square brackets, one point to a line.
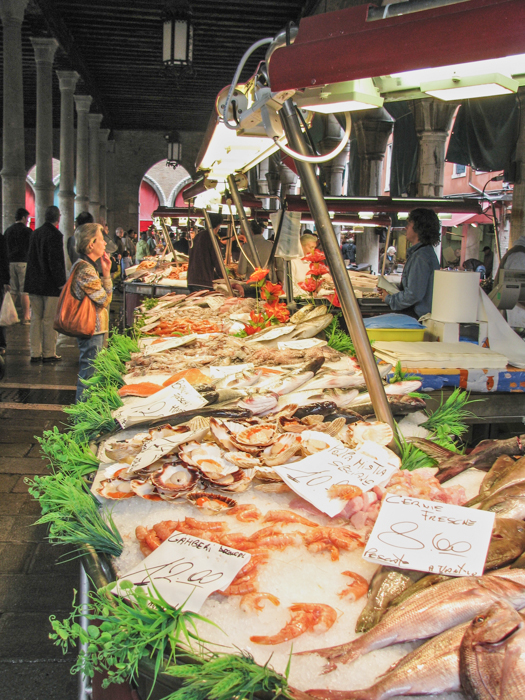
[431, 612]
[432, 668]
[492, 655]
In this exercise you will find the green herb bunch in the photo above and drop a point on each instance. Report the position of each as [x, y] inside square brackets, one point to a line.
[73, 514]
[123, 345]
[227, 676]
[90, 418]
[400, 376]
[66, 455]
[126, 632]
[338, 339]
[150, 303]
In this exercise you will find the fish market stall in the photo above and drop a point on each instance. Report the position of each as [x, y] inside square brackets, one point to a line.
[202, 443]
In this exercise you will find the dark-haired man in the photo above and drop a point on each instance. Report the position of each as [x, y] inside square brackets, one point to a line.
[203, 266]
[45, 276]
[17, 238]
[423, 232]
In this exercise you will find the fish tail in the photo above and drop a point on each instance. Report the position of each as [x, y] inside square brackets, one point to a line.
[368, 618]
[473, 501]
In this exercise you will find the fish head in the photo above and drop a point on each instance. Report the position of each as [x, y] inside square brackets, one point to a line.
[314, 365]
[496, 625]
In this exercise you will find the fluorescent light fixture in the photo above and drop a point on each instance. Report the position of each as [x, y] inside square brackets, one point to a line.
[508, 66]
[349, 96]
[470, 87]
[366, 214]
[402, 215]
[442, 216]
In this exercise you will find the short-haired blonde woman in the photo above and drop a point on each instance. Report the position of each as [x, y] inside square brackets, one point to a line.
[91, 246]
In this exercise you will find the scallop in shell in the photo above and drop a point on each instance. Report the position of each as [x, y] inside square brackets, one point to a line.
[214, 502]
[285, 447]
[267, 474]
[244, 460]
[115, 489]
[238, 481]
[332, 427]
[199, 423]
[175, 480]
[380, 433]
[123, 451]
[207, 457]
[145, 489]
[256, 436]
[165, 431]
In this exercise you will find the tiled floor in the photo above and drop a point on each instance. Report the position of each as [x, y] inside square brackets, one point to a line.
[33, 582]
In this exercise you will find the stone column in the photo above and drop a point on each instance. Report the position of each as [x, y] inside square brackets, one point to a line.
[13, 154]
[82, 104]
[44, 188]
[373, 128]
[335, 168]
[102, 143]
[517, 222]
[66, 196]
[110, 187]
[94, 165]
[262, 182]
[433, 120]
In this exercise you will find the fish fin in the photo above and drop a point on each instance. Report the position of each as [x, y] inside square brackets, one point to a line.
[440, 454]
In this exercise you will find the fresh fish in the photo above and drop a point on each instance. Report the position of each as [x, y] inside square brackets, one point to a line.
[432, 611]
[402, 388]
[386, 584]
[334, 379]
[492, 655]
[311, 314]
[506, 477]
[345, 413]
[341, 397]
[399, 405]
[432, 668]
[259, 403]
[292, 380]
[321, 408]
[300, 316]
[509, 503]
[309, 329]
[497, 471]
[384, 370]
[482, 456]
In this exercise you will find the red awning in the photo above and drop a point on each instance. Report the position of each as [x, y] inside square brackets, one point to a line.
[339, 46]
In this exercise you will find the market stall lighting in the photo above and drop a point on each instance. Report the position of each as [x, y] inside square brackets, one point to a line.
[174, 149]
[350, 96]
[474, 86]
[177, 36]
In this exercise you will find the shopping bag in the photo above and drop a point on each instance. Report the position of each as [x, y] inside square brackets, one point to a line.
[74, 318]
[8, 315]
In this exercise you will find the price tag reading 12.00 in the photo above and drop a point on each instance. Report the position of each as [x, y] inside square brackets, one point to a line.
[367, 466]
[186, 570]
[412, 533]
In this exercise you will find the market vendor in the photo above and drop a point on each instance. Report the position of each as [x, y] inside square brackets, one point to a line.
[301, 267]
[417, 280]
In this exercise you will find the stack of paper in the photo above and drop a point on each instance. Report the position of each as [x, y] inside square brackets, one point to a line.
[440, 355]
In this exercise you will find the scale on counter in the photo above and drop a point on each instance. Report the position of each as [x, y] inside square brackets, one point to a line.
[509, 289]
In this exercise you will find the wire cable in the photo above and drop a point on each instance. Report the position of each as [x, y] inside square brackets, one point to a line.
[327, 156]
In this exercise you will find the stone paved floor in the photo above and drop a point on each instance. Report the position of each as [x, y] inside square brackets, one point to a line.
[32, 584]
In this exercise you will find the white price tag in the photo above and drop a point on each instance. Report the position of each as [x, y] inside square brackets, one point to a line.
[221, 372]
[411, 533]
[186, 570]
[176, 398]
[154, 348]
[366, 467]
[272, 334]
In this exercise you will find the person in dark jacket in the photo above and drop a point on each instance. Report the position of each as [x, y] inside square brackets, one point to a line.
[45, 276]
[83, 218]
[4, 289]
[203, 266]
[17, 239]
[423, 232]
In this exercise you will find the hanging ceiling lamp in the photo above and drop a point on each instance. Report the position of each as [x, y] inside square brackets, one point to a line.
[177, 38]
[174, 149]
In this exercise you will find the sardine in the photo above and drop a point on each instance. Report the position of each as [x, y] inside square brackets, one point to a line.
[431, 612]
[432, 668]
[386, 584]
[492, 655]
[482, 456]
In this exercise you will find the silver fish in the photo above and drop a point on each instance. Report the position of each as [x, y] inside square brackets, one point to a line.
[300, 316]
[259, 403]
[340, 397]
[311, 328]
[431, 612]
[401, 388]
[335, 379]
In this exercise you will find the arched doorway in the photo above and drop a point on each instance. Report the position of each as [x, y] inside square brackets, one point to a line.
[30, 189]
[160, 187]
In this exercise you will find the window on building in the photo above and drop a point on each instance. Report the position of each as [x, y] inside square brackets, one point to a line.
[388, 166]
[459, 170]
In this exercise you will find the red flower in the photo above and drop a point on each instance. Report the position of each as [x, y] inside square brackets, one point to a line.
[315, 257]
[278, 311]
[257, 275]
[309, 285]
[334, 300]
[317, 270]
[251, 330]
[271, 292]
[256, 318]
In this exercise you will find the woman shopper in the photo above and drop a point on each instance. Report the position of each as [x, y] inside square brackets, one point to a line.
[91, 246]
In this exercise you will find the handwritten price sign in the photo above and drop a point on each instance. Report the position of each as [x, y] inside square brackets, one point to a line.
[366, 467]
[412, 533]
[176, 398]
[186, 570]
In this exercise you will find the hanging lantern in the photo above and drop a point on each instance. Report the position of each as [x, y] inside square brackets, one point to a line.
[174, 149]
[177, 38]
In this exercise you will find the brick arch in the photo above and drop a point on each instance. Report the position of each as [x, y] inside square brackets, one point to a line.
[175, 191]
[158, 189]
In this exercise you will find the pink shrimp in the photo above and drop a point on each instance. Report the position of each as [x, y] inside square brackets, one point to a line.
[265, 532]
[277, 541]
[148, 539]
[234, 540]
[322, 546]
[205, 524]
[166, 528]
[344, 491]
[287, 516]
[305, 617]
[252, 601]
[357, 587]
[245, 513]
[242, 588]
[322, 616]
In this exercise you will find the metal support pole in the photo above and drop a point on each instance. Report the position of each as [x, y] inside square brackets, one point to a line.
[167, 238]
[386, 248]
[496, 229]
[217, 249]
[229, 241]
[85, 690]
[271, 259]
[343, 286]
[245, 226]
[288, 285]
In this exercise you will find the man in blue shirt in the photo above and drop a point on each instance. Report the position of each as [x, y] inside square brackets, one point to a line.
[415, 295]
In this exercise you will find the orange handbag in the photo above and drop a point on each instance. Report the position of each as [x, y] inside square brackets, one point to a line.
[73, 317]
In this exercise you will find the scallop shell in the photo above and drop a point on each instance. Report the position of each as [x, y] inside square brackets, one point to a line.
[285, 447]
[115, 489]
[122, 451]
[267, 474]
[145, 489]
[380, 433]
[199, 423]
[175, 480]
[256, 436]
[222, 433]
[238, 481]
[167, 430]
[332, 427]
[313, 445]
[213, 502]
[244, 460]
[208, 458]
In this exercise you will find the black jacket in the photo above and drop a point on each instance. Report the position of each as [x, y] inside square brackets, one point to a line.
[4, 265]
[17, 238]
[46, 270]
[203, 266]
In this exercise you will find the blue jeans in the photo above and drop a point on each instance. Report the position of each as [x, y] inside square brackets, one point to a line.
[89, 348]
